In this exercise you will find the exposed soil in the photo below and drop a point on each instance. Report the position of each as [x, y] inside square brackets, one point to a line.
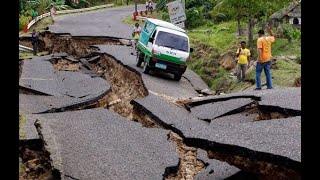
[188, 165]
[126, 84]
[74, 46]
[35, 162]
[258, 112]
[65, 65]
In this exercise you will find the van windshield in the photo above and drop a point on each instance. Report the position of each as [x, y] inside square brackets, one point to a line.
[172, 41]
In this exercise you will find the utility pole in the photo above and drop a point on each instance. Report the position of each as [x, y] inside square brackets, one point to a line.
[135, 6]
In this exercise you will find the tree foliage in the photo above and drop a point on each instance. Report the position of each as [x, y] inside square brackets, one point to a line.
[249, 10]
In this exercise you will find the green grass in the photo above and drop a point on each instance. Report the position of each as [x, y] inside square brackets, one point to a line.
[22, 170]
[219, 40]
[27, 55]
[219, 37]
[281, 47]
[41, 25]
[22, 122]
[129, 19]
[285, 73]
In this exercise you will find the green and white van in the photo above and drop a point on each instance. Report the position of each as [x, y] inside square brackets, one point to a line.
[163, 46]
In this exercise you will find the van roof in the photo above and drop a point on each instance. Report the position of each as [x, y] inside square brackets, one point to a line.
[173, 31]
[165, 24]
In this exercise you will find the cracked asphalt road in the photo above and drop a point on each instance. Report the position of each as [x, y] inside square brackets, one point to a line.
[161, 83]
[99, 144]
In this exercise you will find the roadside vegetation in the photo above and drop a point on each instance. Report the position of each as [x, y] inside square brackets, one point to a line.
[216, 27]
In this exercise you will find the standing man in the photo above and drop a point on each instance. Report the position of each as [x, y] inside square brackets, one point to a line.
[147, 5]
[264, 57]
[52, 13]
[136, 34]
[243, 55]
[150, 5]
[35, 41]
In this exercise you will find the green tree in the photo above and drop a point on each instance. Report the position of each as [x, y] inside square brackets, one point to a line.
[250, 10]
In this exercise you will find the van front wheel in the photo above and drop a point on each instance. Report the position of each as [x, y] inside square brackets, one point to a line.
[146, 68]
[177, 77]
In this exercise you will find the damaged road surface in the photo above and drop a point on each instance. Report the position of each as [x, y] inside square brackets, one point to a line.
[100, 144]
[89, 113]
[269, 148]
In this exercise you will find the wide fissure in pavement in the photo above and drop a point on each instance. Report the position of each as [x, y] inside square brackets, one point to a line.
[261, 112]
[35, 159]
[254, 109]
[77, 46]
[263, 164]
[126, 85]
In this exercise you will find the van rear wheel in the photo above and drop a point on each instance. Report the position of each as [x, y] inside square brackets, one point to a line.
[140, 58]
[146, 68]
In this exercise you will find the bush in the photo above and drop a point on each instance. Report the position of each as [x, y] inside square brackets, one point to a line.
[81, 4]
[165, 16]
[27, 12]
[220, 17]
[23, 20]
[194, 18]
[289, 32]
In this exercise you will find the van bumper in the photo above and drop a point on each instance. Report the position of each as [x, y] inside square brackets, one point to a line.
[171, 67]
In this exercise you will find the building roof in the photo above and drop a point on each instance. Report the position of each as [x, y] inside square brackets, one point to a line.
[165, 24]
[292, 10]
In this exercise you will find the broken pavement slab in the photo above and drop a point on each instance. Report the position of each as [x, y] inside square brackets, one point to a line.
[42, 77]
[27, 130]
[287, 98]
[99, 144]
[195, 80]
[213, 110]
[37, 103]
[39, 76]
[274, 142]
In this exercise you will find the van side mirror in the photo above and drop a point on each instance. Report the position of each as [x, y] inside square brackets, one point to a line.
[191, 50]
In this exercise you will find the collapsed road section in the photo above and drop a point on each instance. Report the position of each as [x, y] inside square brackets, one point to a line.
[268, 148]
[83, 118]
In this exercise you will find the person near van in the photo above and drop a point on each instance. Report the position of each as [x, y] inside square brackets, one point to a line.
[150, 5]
[52, 13]
[35, 41]
[264, 57]
[243, 55]
[136, 34]
[147, 5]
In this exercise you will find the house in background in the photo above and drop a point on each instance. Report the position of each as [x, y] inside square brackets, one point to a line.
[290, 14]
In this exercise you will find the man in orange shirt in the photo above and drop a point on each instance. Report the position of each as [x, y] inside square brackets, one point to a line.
[264, 57]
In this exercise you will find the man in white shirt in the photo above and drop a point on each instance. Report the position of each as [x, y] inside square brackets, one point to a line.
[136, 34]
[52, 13]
